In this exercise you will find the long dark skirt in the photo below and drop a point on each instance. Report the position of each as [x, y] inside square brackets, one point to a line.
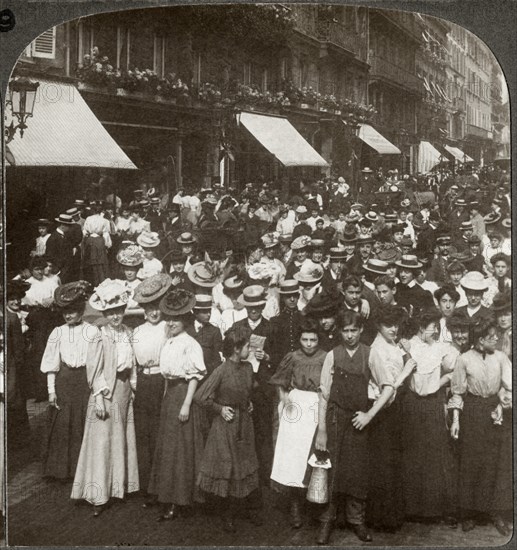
[178, 452]
[427, 460]
[263, 399]
[481, 456]
[385, 506]
[66, 425]
[348, 449]
[95, 260]
[147, 407]
[229, 467]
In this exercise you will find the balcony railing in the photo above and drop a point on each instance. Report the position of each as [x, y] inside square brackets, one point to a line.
[477, 131]
[405, 21]
[339, 35]
[385, 69]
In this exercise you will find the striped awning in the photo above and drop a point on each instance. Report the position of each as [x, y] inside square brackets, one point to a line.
[371, 137]
[428, 157]
[458, 154]
[281, 139]
[64, 131]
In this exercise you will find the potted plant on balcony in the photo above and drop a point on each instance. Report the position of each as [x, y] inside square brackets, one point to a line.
[210, 94]
[328, 103]
[95, 71]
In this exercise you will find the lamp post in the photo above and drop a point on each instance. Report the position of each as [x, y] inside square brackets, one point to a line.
[20, 99]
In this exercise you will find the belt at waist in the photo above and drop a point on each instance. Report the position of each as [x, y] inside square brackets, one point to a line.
[72, 368]
[149, 369]
[123, 375]
[176, 381]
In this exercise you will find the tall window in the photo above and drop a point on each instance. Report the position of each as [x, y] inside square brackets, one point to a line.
[283, 68]
[123, 43]
[265, 80]
[246, 74]
[159, 54]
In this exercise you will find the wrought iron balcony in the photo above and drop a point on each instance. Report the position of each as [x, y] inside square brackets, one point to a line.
[381, 68]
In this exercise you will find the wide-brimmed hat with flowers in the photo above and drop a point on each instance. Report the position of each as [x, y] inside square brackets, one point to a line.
[177, 301]
[130, 256]
[110, 294]
[269, 240]
[148, 239]
[72, 294]
[309, 273]
[152, 288]
[207, 273]
[260, 271]
[303, 241]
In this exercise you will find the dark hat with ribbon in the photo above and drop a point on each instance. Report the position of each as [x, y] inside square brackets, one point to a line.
[16, 289]
[177, 301]
[322, 305]
[72, 294]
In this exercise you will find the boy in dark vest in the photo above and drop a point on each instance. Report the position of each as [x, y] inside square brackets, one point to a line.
[344, 392]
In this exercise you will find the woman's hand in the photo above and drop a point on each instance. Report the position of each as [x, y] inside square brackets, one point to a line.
[52, 401]
[321, 440]
[100, 407]
[261, 355]
[184, 413]
[455, 429]
[227, 413]
[361, 420]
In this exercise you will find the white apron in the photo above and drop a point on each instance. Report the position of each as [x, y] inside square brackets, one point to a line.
[298, 423]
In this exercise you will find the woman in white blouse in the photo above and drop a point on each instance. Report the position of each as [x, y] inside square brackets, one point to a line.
[179, 446]
[64, 363]
[428, 464]
[107, 466]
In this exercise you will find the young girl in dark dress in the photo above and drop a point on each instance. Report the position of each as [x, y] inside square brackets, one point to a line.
[229, 468]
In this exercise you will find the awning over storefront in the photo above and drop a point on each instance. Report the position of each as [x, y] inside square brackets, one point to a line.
[281, 139]
[63, 131]
[458, 154]
[428, 157]
[371, 137]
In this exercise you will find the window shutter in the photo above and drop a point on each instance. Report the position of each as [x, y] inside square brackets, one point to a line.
[45, 44]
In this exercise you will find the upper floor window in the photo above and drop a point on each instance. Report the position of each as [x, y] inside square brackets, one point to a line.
[159, 54]
[43, 46]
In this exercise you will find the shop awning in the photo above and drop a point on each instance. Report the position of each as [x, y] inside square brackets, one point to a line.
[458, 154]
[428, 157]
[63, 131]
[371, 137]
[281, 139]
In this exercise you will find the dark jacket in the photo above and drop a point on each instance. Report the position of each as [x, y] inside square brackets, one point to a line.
[60, 249]
[210, 339]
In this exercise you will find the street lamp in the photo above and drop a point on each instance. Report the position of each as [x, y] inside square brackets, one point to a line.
[21, 99]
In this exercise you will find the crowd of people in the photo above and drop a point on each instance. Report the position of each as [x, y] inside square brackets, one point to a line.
[349, 349]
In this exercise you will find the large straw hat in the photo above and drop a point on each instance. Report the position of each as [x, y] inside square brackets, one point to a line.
[309, 273]
[130, 256]
[253, 295]
[177, 301]
[110, 294]
[148, 239]
[152, 288]
[474, 280]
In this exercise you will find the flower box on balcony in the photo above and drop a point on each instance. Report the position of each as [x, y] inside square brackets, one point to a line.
[121, 92]
[304, 105]
[87, 87]
[324, 109]
[337, 111]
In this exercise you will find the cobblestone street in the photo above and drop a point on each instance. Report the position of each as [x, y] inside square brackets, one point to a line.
[41, 513]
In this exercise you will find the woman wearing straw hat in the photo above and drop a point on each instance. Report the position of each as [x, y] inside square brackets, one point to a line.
[149, 242]
[179, 445]
[107, 466]
[148, 342]
[64, 363]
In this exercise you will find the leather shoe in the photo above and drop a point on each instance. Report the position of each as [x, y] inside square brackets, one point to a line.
[362, 532]
[97, 511]
[169, 514]
[468, 525]
[501, 527]
[296, 515]
[324, 532]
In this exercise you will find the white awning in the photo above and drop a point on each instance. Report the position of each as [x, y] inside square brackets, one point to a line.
[458, 154]
[371, 137]
[63, 131]
[281, 139]
[428, 157]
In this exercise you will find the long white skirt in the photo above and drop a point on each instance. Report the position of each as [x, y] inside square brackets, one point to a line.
[298, 423]
[107, 465]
